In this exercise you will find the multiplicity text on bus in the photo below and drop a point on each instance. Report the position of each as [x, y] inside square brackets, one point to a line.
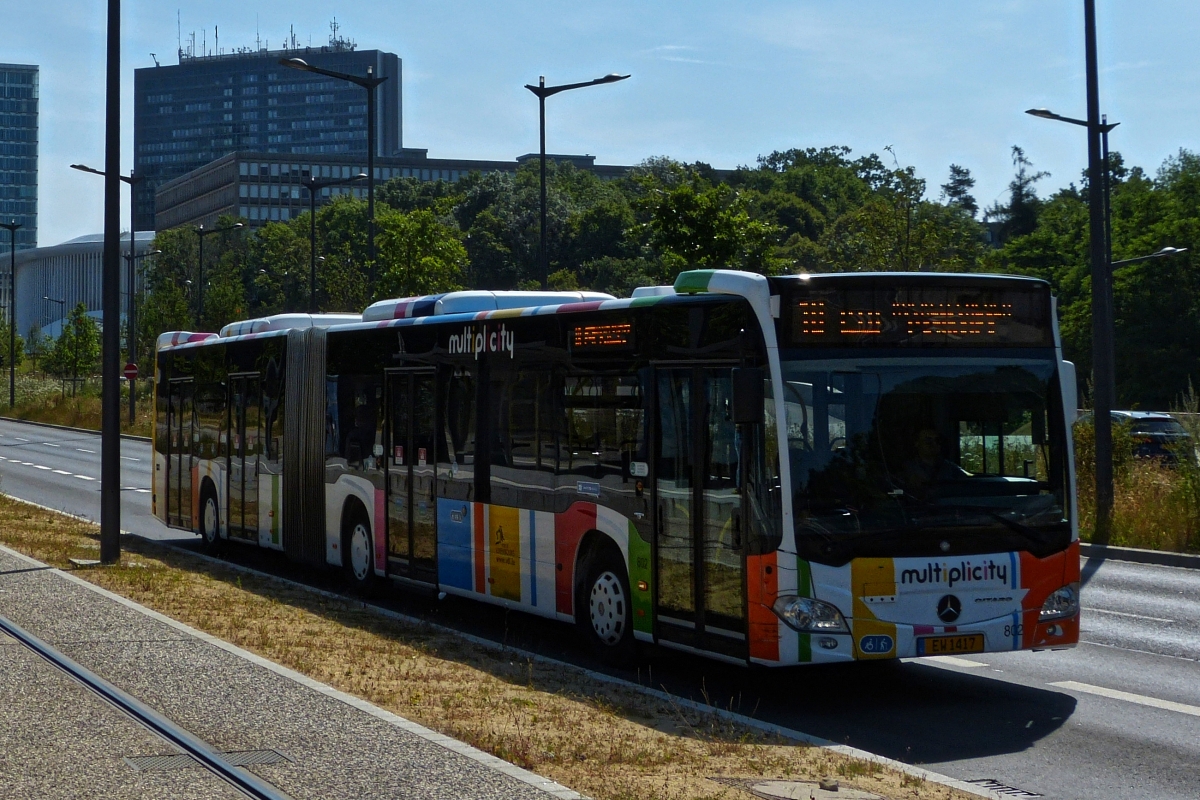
[762, 470]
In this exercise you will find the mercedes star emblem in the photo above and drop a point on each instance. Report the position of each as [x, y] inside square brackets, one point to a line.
[949, 608]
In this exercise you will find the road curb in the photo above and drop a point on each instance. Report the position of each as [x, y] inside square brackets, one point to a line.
[1162, 558]
[128, 436]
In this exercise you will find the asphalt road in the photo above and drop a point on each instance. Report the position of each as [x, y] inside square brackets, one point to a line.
[1118, 716]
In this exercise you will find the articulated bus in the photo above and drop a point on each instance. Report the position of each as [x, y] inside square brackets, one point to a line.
[776, 471]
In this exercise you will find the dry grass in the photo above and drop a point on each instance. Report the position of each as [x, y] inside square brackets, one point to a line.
[1155, 506]
[42, 399]
[604, 741]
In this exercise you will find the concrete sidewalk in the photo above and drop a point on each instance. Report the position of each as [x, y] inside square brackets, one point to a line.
[57, 739]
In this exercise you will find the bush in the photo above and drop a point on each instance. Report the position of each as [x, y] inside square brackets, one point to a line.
[1156, 506]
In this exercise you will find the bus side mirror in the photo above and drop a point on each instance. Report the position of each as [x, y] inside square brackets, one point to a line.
[748, 396]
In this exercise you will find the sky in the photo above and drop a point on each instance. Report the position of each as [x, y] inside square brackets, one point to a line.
[937, 81]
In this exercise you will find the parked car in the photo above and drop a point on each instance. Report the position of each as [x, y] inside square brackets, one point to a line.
[1155, 434]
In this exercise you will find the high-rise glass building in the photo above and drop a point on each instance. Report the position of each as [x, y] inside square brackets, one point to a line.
[207, 106]
[19, 152]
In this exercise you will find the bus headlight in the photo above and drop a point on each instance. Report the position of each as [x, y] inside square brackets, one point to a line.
[810, 616]
[1061, 603]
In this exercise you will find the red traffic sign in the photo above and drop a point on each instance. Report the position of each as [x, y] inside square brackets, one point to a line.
[130, 372]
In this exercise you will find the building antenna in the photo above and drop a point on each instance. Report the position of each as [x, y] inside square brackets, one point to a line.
[257, 40]
[178, 36]
[217, 39]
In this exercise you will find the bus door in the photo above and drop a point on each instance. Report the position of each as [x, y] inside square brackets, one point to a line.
[700, 559]
[411, 466]
[180, 430]
[244, 437]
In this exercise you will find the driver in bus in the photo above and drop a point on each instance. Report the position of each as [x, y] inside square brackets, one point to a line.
[928, 465]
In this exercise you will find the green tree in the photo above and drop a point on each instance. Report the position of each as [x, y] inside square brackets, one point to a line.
[417, 254]
[76, 353]
[35, 344]
[957, 190]
[19, 354]
[707, 226]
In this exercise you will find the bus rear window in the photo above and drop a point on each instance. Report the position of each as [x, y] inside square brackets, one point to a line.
[883, 314]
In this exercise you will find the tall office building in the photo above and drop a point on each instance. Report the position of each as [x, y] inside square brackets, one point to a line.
[19, 152]
[209, 105]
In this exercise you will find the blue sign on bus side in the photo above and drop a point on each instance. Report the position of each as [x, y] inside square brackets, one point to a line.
[876, 644]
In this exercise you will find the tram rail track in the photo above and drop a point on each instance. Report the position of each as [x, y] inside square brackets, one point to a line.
[243, 781]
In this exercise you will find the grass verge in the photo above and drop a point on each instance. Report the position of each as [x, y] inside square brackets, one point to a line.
[607, 742]
[45, 399]
[1156, 506]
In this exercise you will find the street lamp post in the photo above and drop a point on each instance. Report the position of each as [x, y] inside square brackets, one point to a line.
[11, 227]
[131, 259]
[543, 91]
[201, 233]
[1103, 359]
[370, 83]
[132, 181]
[313, 185]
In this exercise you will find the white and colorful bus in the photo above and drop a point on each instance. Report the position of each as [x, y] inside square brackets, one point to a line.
[784, 470]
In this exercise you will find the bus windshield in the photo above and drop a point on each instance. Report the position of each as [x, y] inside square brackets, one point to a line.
[908, 455]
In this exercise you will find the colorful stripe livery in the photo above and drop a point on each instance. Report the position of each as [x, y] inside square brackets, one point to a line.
[528, 559]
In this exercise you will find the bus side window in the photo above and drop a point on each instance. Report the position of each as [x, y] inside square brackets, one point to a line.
[456, 462]
[522, 475]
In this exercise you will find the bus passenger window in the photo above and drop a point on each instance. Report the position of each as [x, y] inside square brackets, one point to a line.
[456, 445]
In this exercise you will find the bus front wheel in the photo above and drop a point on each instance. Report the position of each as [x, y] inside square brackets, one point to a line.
[210, 520]
[603, 608]
[356, 549]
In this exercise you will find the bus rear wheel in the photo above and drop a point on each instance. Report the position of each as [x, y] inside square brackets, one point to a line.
[356, 549]
[603, 608]
[210, 520]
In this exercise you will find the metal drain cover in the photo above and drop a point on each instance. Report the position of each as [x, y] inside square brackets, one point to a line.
[993, 785]
[238, 758]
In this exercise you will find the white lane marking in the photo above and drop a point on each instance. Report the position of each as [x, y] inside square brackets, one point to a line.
[1129, 697]
[952, 661]
[19, 439]
[61, 472]
[127, 458]
[82, 450]
[48, 444]
[85, 478]
[1124, 614]
[26, 463]
[39, 466]
[143, 491]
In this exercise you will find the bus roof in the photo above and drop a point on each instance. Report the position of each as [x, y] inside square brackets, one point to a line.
[840, 279]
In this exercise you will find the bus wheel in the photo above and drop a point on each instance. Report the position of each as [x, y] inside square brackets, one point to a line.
[603, 609]
[210, 520]
[356, 549]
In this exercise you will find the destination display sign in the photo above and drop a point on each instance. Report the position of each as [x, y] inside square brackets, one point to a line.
[602, 337]
[918, 315]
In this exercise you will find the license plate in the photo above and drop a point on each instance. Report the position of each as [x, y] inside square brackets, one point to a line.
[950, 645]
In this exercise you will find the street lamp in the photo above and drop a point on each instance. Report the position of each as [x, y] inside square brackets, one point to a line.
[1165, 252]
[201, 232]
[543, 91]
[370, 83]
[11, 227]
[131, 341]
[313, 185]
[1103, 359]
[133, 179]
